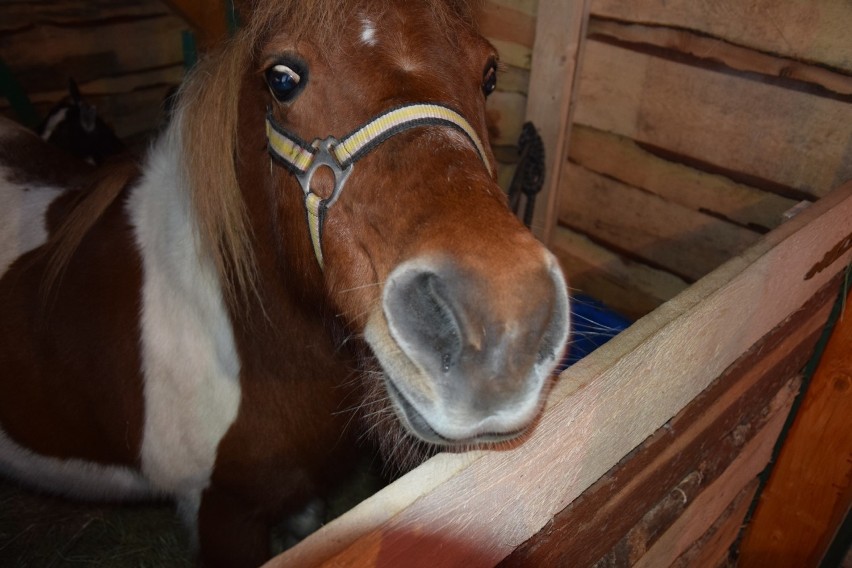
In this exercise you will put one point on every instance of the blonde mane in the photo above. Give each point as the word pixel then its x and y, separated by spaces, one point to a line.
pixel 209 104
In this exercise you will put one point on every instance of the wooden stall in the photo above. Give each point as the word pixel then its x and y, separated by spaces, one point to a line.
pixel 699 167
pixel 699 181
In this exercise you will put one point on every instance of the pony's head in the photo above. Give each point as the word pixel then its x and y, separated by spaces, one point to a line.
pixel 349 151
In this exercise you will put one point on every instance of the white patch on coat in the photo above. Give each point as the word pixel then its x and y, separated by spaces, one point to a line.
pixel 189 357
pixel 23 226
pixel 71 477
pixel 368 32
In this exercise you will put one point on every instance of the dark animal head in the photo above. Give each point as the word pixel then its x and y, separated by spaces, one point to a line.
pixel 74 125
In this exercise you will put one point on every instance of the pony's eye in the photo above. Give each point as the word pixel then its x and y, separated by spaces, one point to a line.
pixel 489 79
pixel 283 81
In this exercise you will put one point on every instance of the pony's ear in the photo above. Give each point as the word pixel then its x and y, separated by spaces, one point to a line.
pixel 74 90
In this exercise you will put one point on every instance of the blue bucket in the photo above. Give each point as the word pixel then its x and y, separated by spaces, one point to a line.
pixel 592 325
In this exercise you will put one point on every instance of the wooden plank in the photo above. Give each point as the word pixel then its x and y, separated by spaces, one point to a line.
pixel 625 285
pixel 622 159
pixel 809 493
pixel 714 548
pixel 513 53
pixel 506 23
pixel 816 31
pixel 108 86
pixel 609 522
pixel 792 138
pixel 681 41
pixel 20 15
pixel 209 19
pixel 485 504
pixel 661 233
pixel 560 29
pixel 107 49
pixel 712 502
pixel 510 26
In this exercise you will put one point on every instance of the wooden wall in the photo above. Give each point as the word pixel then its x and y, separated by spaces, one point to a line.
pixel 698 127
pixel 124 54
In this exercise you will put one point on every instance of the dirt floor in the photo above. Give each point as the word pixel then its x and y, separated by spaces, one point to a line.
pixel 42 531
pixel 39 531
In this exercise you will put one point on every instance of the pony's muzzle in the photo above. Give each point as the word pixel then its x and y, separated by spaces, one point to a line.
pixel 479 354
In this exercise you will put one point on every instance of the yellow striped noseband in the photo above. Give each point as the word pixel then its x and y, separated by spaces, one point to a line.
pixel 303 159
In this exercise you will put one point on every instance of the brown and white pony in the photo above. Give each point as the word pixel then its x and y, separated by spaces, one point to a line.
pixel 204 327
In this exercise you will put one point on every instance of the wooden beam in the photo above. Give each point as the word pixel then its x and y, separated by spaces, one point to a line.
pixel 712 502
pixel 208 18
pixel 681 41
pixel 810 489
pixel 794 139
pixel 625 285
pixel 810 31
pixel 624 513
pixel 559 38
pixel 622 159
pixel 476 508
pixel 714 548
pixel 659 232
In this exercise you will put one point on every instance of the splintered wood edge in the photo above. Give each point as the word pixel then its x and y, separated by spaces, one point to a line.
pixel 476 508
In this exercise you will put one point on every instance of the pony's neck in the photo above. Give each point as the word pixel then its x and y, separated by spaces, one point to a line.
pixel 189 351
pixel 177 267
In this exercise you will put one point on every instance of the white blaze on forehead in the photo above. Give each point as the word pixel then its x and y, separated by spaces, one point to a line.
pixel 368 32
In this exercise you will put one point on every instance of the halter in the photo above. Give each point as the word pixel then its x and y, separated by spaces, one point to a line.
pixel 303 159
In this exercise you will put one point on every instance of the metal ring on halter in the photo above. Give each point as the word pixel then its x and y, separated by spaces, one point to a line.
pixel 325 157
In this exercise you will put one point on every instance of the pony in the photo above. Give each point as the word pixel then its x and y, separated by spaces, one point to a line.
pixel 73 124
pixel 313 258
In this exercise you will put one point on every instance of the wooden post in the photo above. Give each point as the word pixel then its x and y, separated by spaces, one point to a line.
pixel 560 29
pixel 809 491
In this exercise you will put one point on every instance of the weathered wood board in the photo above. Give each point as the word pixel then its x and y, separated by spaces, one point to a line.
pixel 631 288
pixel 657 504
pixel 624 160
pixel 816 31
pixel 794 139
pixel 476 509
pixel 662 233
pixel 809 491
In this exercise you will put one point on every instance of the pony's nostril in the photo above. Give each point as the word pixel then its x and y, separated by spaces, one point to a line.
pixel 422 318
